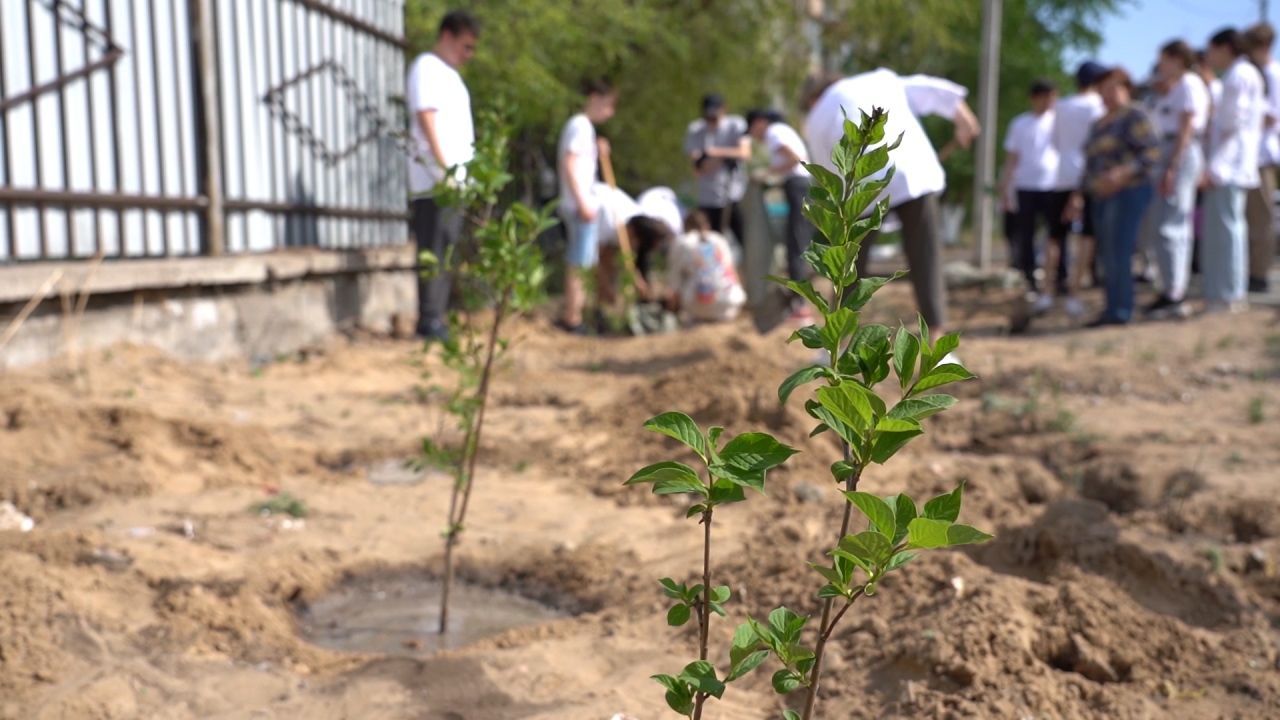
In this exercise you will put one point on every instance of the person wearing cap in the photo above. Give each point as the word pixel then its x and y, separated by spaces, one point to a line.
pixel 1232 170
pixel 1181 119
pixel 918 177
pixel 1075 115
pixel 1260 203
pixel 719 148
pixel 1028 186
pixel 1121 155
pixel 787 158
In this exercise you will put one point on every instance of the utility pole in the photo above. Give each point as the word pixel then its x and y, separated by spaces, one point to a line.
pixel 1264 10
pixel 988 97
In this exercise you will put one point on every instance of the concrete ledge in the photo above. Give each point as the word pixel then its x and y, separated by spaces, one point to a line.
pixel 18 283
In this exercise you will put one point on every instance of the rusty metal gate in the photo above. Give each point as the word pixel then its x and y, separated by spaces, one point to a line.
pixel 155 128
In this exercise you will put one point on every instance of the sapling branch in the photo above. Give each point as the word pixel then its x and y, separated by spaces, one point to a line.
pixel 828 622
pixel 704 608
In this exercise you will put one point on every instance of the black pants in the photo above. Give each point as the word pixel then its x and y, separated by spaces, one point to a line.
pixel 799 229
pixel 436 229
pixel 1035 206
pixel 718 216
pixel 923 247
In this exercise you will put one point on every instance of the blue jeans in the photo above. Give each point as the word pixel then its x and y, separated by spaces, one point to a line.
pixel 1116 221
pixel 1224 249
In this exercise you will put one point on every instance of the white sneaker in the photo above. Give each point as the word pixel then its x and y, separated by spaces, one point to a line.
pixel 1074 307
pixel 1042 304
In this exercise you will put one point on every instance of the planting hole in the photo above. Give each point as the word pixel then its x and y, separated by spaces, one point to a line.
pixel 399 616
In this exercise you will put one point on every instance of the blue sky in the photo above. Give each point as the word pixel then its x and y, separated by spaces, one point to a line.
pixel 1133 37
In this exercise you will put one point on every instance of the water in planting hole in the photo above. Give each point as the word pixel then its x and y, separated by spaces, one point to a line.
pixel 401 616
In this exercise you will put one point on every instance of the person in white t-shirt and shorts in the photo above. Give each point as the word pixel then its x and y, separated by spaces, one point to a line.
pixel 577 157
pixel 918 178
pixel 443 136
pixel 1030 180
pixel 787 157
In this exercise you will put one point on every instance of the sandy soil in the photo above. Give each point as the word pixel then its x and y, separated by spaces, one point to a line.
pixel 1134 499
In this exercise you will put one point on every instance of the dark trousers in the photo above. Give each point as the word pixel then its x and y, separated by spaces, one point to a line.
pixel 923 247
pixel 719 217
pixel 799 229
pixel 436 229
pixel 1033 207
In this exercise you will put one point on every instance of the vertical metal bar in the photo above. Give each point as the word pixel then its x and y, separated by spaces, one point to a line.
pixel 307 99
pixel 160 125
pixel 137 114
pixel 271 138
pixel 10 242
pixel 93 143
pixel 116 130
pixel 178 144
pixel 238 91
pixel 205 60
pixel 289 218
pixel 41 225
pixel 56 12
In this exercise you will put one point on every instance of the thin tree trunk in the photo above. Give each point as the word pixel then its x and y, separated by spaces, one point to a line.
pixel 704 612
pixel 824 628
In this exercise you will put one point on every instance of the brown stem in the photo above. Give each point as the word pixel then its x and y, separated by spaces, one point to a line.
pixel 704 612
pixel 471 450
pixel 828 623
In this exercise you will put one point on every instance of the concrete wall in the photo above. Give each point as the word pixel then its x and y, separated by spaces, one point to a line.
pixel 255 306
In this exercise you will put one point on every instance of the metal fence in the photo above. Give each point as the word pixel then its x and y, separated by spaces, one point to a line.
pixel 152 128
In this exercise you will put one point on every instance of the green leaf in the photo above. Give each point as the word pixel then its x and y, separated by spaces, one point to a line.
pixel 720 593
pixel 804 289
pixel 672 589
pixel 869 546
pixel 926 533
pixel 924 335
pixel 680 486
pixel 717 608
pixel 713 437
pixel 899 560
pixel 831 574
pixel 831 591
pixel 745 641
pixel 700 508
pixel 747 664
pixel 681 427
pixel 906 349
pixel 726 492
pixel 678 615
pixel 842 470
pixel 831 422
pixel 904 511
pixel 809 336
pixel 847 403
pixel 701 676
pixel 965 535
pixel 876 510
pixel 891 435
pixel 945 507
pixel 840 324
pixel 790 715
pixel 944 346
pixel 679 694
pixel 941 375
pixel 657 472
pixel 755 451
pixel 786 625
pixel 798 378
pixel 867 287
pixel 786 681
pixel 919 408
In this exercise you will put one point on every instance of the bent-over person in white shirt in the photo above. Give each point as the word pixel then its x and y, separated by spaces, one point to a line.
pixel 443 137
pixel 1181 120
pixel 919 178
pixel 1031 173
pixel 1235 137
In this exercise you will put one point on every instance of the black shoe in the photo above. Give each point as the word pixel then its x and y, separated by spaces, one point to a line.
pixel 433 331
pixel 1259 285
pixel 578 329
pixel 1161 303
pixel 1104 321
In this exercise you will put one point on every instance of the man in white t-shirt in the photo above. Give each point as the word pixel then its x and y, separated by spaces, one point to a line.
pixel 1181 118
pixel 1260 205
pixel 577 156
pixel 1074 116
pixel 1030 178
pixel 787 157
pixel 1235 136
pixel 718 146
pixel 443 138
pixel 919 178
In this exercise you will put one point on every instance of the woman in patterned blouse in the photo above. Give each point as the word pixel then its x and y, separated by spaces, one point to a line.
pixel 1121 156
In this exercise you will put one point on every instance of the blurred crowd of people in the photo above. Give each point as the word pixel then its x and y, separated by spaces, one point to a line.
pixel 1155 180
